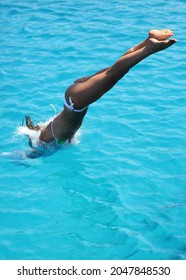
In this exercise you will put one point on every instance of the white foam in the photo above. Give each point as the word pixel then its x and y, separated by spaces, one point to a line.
pixel 33 135
pixel 76 139
pixel 17 155
pixel 22 131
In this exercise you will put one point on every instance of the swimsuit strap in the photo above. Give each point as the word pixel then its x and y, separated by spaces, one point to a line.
pixel 52 130
pixel 71 106
pixel 58 141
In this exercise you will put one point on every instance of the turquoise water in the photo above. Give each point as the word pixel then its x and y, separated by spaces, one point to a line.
pixel 118 191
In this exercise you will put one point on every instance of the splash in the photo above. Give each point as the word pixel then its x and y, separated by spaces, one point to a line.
pixel 39 149
pixel 32 134
pixel 22 131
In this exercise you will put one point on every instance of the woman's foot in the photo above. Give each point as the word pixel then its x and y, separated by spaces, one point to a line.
pixel 30 124
pixel 155 46
pixel 160 34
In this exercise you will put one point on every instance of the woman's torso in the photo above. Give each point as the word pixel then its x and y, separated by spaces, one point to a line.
pixel 64 126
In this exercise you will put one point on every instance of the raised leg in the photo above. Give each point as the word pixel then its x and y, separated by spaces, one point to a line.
pixel 83 94
pixel 157 34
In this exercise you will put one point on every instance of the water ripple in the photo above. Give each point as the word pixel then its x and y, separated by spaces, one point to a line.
pixel 119 191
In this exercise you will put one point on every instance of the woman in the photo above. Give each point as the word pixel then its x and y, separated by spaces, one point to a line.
pixel 87 90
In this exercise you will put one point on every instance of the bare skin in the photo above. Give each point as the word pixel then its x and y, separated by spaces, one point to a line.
pixel 88 89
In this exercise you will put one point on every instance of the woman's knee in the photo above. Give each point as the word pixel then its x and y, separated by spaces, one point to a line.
pixel 115 76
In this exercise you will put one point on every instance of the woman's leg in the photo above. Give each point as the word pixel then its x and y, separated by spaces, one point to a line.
pixel 83 94
pixel 157 34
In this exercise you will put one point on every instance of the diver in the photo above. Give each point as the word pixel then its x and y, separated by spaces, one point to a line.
pixel 87 90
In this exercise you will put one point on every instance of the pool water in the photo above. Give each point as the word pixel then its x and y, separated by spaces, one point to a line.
pixel 118 191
